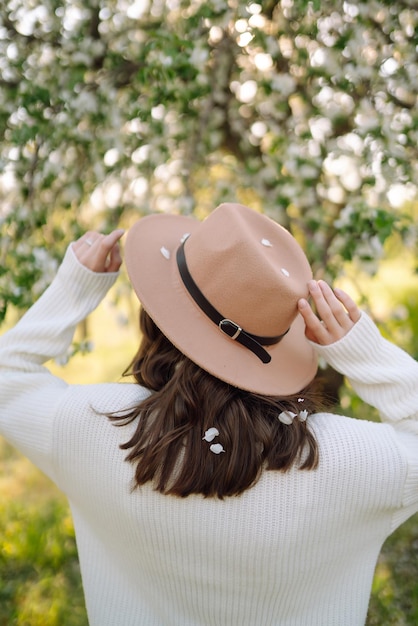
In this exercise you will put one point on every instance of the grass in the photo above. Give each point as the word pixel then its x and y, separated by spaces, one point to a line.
pixel 394 600
pixel 40 582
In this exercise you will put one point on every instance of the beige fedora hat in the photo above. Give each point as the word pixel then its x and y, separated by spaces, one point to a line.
pixel 224 291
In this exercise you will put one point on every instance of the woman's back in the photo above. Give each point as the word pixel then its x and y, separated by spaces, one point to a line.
pixel 297 548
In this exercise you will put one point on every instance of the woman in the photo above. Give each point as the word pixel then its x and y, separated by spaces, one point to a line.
pixel 213 491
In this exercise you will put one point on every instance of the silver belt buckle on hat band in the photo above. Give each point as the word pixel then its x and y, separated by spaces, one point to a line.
pixel 225 323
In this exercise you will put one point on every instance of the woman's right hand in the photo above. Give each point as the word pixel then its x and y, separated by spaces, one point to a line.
pixel 336 313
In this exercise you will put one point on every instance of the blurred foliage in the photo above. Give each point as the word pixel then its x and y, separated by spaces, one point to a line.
pixel 108 111
pixel 304 109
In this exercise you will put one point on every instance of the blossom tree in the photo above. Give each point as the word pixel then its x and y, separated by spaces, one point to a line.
pixel 110 110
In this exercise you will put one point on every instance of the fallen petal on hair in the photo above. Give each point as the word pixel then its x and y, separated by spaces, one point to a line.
pixel 210 434
pixel 216 448
pixel 287 417
pixel 303 415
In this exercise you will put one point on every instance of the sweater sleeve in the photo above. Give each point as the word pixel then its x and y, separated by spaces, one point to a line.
pixel 382 374
pixel 385 377
pixel 29 393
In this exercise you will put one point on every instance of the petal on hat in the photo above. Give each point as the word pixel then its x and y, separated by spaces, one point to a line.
pixel 166 253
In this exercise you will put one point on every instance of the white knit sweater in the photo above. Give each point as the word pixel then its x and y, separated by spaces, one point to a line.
pixel 298 549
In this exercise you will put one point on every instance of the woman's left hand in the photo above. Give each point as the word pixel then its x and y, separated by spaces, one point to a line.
pixel 336 313
pixel 99 253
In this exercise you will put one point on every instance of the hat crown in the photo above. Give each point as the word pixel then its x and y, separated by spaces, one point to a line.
pixel 249 268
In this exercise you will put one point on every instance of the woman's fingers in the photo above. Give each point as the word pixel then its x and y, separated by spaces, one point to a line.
pixel 352 308
pixel 115 259
pixel 328 306
pixel 98 252
pixel 107 247
pixel 336 313
pixel 315 331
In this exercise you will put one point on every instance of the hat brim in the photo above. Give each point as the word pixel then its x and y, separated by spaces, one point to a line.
pixel 150 258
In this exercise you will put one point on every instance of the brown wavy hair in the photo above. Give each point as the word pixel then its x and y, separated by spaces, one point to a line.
pixel 167 446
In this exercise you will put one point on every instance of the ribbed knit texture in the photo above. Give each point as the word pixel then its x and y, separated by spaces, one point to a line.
pixel 298 549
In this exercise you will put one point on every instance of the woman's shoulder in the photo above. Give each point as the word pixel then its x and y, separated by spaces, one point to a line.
pixel 104 398
pixel 330 424
pixel 357 443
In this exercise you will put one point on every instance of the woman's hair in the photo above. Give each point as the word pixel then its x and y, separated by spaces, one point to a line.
pixel 168 446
